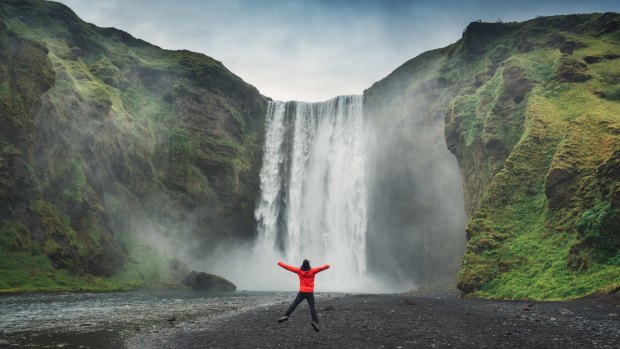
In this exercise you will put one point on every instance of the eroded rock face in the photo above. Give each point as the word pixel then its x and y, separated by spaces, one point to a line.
pixel 516 84
pixel 572 70
pixel 600 58
pixel 567 47
pixel 561 156
pixel 502 116
pixel 560 186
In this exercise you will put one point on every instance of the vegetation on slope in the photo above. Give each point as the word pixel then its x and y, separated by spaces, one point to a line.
pixel 109 145
pixel 533 118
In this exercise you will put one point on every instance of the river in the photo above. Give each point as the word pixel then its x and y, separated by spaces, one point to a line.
pixel 108 320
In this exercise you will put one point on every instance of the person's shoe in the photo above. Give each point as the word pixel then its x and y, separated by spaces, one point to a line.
pixel 315 326
pixel 282 319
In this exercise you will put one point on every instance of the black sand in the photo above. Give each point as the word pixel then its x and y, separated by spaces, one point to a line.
pixel 399 321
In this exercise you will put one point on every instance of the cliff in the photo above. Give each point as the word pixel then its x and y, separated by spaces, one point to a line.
pixel 110 146
pixel 117 156
pixel 532 115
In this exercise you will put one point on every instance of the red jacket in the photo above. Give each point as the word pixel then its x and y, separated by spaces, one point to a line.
pixel 306 278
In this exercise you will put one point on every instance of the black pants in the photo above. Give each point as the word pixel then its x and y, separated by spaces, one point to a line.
pixel 309 296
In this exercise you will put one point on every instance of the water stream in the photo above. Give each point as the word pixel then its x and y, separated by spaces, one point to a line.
pixel 109 320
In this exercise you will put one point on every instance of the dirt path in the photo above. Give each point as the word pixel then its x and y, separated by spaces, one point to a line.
pixel 397 321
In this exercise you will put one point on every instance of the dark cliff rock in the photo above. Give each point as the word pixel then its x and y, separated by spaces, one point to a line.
pixel 106 138
pixel 571 70
pixel 201 281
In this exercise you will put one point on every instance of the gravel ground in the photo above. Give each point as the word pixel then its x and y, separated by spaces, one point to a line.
pixel 404 321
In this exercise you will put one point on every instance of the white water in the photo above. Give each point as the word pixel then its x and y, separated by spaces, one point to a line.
pixel 313 201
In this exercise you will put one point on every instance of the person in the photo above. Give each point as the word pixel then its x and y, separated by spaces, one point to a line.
pixel 306 289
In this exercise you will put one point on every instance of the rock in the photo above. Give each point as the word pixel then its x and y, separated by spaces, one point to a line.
pixel 409 302
pixel 178 269
pixel 567 47
pixel 592 59
pixel 559 186
pixel 329 308
pixel 596 59
pixel 201 281
pixel 516 85
pixel 571 70
pixel 556 40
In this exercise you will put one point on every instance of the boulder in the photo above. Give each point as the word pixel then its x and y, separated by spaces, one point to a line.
pixel 571 70
pixel 201 281
pixel 567 47
pixel 596 59
pixel 559 186
pixel 592 59
pixel 556 40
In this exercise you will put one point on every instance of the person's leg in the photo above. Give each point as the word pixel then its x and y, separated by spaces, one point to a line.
pixel 310 299
pixel 300 297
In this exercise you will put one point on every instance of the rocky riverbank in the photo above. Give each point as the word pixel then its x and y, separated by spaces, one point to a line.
pixel 402 321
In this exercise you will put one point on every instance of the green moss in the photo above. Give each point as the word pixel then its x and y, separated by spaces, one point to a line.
pixel 56 227
pixel 5 90
pixel 75 181
pixel 24 272
pixel 598 226
pixel 14 237
pixel 541 220
pixel 106 72
pixel 469 125
pixel 147 265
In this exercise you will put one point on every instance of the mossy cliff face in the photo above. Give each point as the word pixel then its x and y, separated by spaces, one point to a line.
pixel 108 141
pixel 532 116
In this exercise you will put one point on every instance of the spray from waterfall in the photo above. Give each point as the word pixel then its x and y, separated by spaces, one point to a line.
pixel 379 197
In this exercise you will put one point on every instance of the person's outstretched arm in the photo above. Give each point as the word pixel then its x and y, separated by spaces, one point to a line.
pixel 288 267
pixel 321 268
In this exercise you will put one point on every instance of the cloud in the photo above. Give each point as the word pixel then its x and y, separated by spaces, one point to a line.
pixel 311 50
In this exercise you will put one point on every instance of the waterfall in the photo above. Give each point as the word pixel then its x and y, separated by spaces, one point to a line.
pixel 314 196
pixel 377 196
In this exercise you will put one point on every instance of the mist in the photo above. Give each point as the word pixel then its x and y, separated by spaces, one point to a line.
pixel 374 193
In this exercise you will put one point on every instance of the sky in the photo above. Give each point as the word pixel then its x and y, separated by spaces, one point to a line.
pixel 313 50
